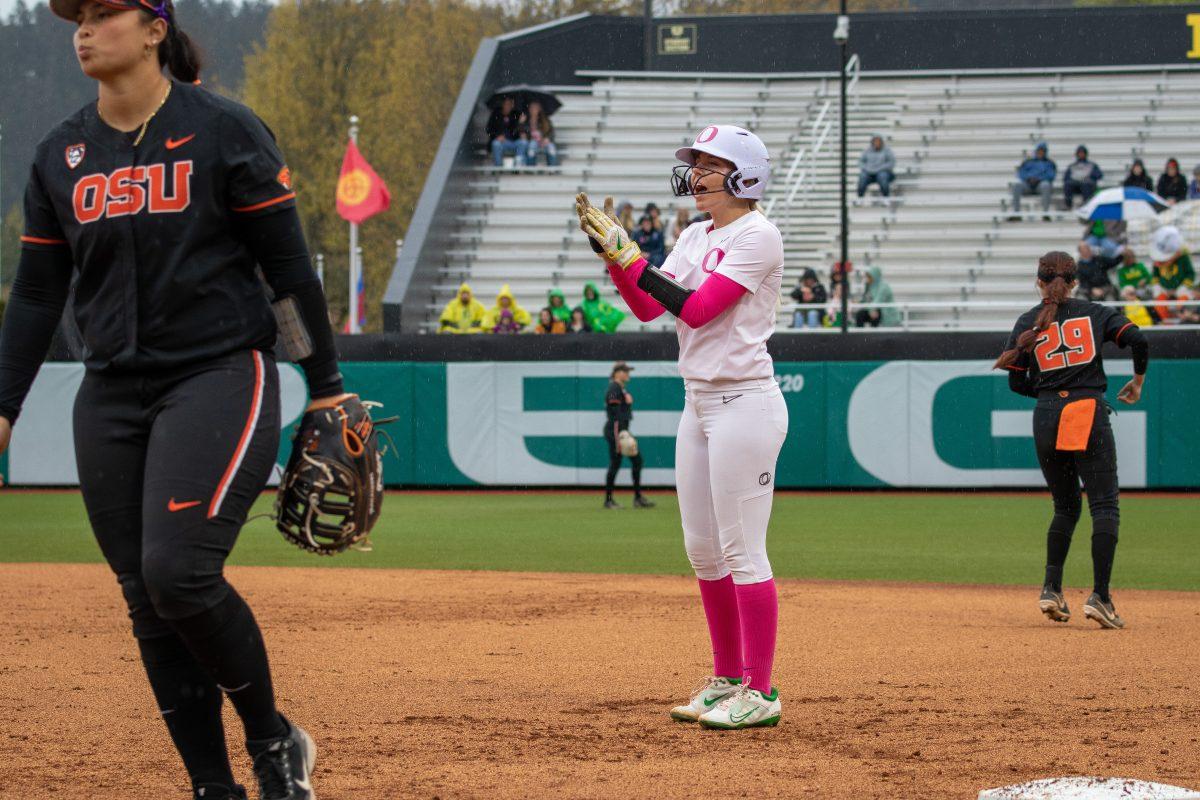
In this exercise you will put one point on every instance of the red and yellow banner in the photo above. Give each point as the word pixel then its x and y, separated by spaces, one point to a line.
pixel 361 193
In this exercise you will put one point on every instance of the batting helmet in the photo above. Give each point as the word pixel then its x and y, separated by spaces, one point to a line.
pixel 749 156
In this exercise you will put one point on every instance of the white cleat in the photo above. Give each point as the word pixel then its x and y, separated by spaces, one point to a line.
pixel 747 708
pixel 705 698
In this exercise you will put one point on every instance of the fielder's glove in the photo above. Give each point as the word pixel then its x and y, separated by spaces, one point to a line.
pixel 626 444
pixel 332 488
pixel 605 232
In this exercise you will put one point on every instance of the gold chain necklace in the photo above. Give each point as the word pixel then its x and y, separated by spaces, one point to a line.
pixel 146 124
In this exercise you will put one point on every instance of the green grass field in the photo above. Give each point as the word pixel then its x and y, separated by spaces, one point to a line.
pixel 952 538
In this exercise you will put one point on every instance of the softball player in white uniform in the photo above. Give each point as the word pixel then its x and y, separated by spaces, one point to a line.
pixel 722 281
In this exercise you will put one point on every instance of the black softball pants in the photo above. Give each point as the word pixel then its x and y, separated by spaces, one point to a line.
pixel 169 466
pixel 1064 470
pixel 615 458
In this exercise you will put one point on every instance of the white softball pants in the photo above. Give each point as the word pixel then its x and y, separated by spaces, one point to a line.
pixel 725 454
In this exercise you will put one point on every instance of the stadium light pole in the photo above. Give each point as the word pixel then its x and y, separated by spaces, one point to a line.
pixel 647 34
pixel 841 35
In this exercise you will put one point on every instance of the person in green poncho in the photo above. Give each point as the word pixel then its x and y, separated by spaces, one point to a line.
pixel 556 301
pixel 877 291
pixel 601 316
pixel 1133 274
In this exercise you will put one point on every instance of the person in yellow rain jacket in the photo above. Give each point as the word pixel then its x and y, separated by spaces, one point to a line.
pixel 463 314
pixel 506 316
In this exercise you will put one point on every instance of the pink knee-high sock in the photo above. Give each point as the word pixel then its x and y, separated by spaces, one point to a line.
pixel 758 607
pixel 724 627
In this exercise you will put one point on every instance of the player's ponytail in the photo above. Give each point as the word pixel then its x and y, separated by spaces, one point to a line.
pixel 177 52
pixel 1056 274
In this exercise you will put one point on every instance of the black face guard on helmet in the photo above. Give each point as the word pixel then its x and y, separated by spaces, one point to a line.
pixel 684 175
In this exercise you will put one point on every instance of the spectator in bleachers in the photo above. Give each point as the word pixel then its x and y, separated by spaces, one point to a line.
pixel 650 240
pixel 1133 274
pixel 541 136
pixel 1172 186
pixel 556 301
pixel 837 284
pixel 1137 176
pixel 548 323
pixel 877 164
pixel 1174 275
pixel 1081 177
pixel 463 314
pixel 810 290
pixel 1136 311
pixel 1034 176
pixel 505 134
pixel 625 216
pixel 600 315
pixel 506 316
pixel 877 290
pixel 655 218
pixel 1194 186
pixel 578 322
pixel 678 225
pixel 1098 253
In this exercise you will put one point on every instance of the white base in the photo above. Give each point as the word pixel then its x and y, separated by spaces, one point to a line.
pixel 1082 788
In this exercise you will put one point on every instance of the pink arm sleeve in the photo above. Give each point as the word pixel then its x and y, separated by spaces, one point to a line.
pixel 643 306
pixel 712 299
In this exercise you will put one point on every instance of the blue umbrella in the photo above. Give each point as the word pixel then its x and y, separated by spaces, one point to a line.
pixel 1123 202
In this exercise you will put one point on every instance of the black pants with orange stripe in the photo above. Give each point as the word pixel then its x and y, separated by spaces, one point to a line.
pixel 169 465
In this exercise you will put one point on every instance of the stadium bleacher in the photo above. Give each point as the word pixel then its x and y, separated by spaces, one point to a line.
pixel 944 240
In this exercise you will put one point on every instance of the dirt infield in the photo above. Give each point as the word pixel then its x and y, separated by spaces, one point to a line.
pixel 499 685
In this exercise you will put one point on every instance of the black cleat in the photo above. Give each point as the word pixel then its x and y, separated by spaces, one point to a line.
pixel 218 791
pixel 641 502
pixel 284 767
pixel 610 503
pixel 1103 613
pixel 1054 605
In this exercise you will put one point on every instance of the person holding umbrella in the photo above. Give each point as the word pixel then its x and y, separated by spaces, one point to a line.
pixel 505 136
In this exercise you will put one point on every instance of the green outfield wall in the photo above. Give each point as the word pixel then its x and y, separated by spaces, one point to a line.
pixel 539 423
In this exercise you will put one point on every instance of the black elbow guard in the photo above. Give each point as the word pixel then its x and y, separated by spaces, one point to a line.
pixel 670 293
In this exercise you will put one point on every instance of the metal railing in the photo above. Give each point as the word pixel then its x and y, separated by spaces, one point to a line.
pixel 907 308
pixel 805 161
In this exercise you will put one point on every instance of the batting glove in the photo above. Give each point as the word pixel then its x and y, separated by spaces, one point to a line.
pixel 606 233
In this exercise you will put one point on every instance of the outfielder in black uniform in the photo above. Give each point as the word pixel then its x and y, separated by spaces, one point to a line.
pixel 161 201
pixel 1053 355
pixel 618 407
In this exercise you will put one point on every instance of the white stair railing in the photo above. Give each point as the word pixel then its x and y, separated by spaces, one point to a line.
pixel 801 174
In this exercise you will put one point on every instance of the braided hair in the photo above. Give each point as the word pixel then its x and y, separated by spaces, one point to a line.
pixel 1056 275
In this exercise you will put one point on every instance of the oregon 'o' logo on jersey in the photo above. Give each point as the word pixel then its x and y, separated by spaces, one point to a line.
pixel 353 187
pixel 131 190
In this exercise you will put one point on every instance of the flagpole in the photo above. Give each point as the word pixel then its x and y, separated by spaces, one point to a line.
pixel 354 265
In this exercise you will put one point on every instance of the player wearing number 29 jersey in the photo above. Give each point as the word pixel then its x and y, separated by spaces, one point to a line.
pixel 1053 355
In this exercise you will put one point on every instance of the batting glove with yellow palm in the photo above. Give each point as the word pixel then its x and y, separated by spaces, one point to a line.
pixel 606 233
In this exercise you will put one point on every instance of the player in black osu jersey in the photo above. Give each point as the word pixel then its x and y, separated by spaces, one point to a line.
pixel 1053 354
pixel 160 200
pixel 618 408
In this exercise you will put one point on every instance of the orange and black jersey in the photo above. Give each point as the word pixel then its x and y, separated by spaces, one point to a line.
pixel 617 405
pixel 160 279
pixel 1066 354
pixel 161 243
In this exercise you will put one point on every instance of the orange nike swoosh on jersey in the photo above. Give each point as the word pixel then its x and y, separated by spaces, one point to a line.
pixel 172 506
pixel 173 143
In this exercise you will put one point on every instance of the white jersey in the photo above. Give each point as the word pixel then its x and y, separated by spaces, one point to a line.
pixel 733 347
